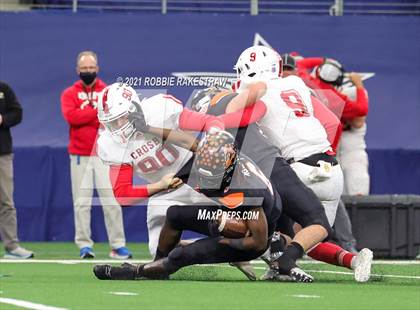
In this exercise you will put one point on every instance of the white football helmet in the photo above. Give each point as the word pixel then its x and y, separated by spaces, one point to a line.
pixel 258 63
pixel 115 103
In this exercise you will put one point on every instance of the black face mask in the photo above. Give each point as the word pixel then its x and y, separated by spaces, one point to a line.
pixel 87 77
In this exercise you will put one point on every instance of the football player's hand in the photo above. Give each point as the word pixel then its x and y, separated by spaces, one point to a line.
pixel 356 79
pixel 137 117
pixel 169 181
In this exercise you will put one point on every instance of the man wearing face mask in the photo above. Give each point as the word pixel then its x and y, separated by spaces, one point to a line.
pixel 78 104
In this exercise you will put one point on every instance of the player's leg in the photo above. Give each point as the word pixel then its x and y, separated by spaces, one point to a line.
pixel 203 251
pixel 343 234
pixel 301 204
pixel 333 254
pixel 158 205
pixel 112 211
pixel 329 192
pixel 82 190
pixel 180 218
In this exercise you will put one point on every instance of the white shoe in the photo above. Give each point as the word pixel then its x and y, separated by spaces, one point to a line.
pixel 18 253
pixel 362 265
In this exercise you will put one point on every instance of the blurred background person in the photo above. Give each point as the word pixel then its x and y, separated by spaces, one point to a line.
pixel 10 115
pixel 78 104
pixel 350 103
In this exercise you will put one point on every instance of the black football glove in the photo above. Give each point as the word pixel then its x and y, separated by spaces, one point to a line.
pixel 138 120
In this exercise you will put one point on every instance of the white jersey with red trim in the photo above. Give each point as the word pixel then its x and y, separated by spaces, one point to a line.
pixel 290 122
pixel 150 157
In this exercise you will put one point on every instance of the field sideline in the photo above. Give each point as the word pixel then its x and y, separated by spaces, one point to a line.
pixel 58 280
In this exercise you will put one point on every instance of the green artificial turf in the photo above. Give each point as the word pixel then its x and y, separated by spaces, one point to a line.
pixel 71 285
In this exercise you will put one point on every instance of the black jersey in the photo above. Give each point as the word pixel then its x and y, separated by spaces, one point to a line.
pixel 249 189
pixel 250 140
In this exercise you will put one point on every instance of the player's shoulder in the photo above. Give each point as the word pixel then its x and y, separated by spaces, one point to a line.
pixel 161 99
pixel 111 152
pixel 161 110
pixel 294 80
pixel 162 103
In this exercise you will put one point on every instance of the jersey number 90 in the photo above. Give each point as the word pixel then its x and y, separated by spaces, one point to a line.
pixel 164 156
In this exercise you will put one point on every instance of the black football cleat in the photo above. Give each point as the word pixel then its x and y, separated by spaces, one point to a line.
pixel 298 275
pixel 108 272
pixel 102 272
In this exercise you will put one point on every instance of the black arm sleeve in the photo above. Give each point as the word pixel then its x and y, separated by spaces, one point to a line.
pixel 13 114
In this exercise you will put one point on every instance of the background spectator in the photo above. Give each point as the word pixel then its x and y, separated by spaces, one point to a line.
pixel 10 115
pixel 78 104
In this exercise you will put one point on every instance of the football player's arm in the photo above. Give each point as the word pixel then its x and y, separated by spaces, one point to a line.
pixel 309 63
pixel 74 115
pixel 128 194
pixel 13 116
pixel 257 239
pixel 329 121
pixel 247 97
pixel 360 106
pixel 244 117
pixel 190 120
pixel 177 137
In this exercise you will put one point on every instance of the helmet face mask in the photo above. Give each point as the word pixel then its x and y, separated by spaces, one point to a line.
pixel 114 105
pixel 258 63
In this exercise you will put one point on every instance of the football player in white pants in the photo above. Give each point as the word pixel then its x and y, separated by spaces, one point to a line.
pixel 292 127
pixel 128 152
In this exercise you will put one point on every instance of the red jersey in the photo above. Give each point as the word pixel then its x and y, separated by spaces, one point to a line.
pixel 78 105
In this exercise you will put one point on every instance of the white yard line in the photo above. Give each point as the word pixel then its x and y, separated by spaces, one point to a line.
pixel 305 296
pixel 123 293
pixel 28 304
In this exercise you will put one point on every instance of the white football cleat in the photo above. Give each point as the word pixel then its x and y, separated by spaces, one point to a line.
pixel 362 265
